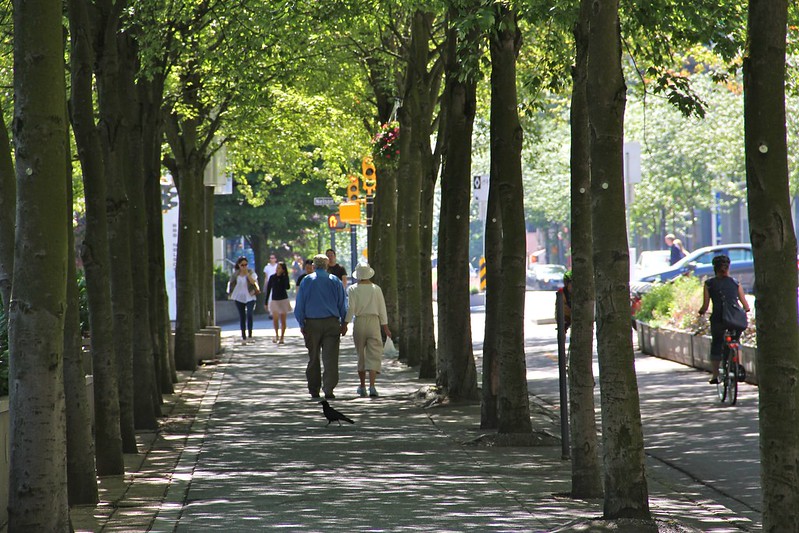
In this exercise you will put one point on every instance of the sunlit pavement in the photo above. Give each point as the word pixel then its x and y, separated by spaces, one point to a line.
pixel 246 449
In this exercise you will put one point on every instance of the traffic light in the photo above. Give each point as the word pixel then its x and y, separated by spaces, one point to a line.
pixel 369 175
pixel 334 221
pixel 353 189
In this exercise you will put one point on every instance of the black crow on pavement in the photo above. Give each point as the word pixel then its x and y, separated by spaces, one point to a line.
pixel 332 415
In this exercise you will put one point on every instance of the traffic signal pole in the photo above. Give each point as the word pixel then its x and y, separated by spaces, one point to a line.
pixel 353 246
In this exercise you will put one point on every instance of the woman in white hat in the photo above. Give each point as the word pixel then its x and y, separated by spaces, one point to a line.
pixel 367 305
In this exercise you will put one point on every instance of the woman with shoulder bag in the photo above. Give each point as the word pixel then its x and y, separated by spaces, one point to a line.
pixel 720 289
pixel 243 289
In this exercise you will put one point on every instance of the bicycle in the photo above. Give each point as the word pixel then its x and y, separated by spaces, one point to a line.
pixel 731 371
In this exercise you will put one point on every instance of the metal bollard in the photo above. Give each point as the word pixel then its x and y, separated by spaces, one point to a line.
pixel 560 320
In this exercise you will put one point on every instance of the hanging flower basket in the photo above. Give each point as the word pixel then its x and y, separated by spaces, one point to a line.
pixel 385 145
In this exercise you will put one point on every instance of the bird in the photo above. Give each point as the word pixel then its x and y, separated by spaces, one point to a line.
pixel 333 415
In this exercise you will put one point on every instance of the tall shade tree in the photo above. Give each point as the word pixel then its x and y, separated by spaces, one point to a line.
pixel 626 494
pixel 81 469
pixel 457 373
pixel 586 476
pixel 94 248
pixel 8 193
pixel 506 168
pixel 114 138
pixel 37 482
pixel 414 117
pixel 774 250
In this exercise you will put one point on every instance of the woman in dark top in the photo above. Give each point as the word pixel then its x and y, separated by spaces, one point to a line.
pixel 717 289
pixel 277 287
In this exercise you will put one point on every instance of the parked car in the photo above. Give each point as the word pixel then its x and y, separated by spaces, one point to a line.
pixel 651 261
pixel 545 277
pixel 700 263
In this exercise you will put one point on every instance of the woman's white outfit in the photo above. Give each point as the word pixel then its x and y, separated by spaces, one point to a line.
pixel 367 305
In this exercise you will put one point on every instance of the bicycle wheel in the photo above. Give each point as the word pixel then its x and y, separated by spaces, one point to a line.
pixel 732 377
pixel 721 386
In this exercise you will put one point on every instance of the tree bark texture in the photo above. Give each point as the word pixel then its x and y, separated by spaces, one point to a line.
pixel 457 372
pixel 623 446
pixel 146 397
pixel 506 149
pixel 81 468
pixel 382 239
pixel 383 248
pixel 94 249
pixel 415 115
pixel 774 249
pixel 38 470
pixel 489 412
pixel 586 474
pixel 114 136
pixel 8 200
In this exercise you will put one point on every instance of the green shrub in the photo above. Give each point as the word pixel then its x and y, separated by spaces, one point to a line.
pixel 656 304
pixel 221 278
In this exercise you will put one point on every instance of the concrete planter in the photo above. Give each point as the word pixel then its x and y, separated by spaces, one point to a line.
pixel 5 447
pixel 207 343
pixel 675 345
pixel 476 300
pixel 689 349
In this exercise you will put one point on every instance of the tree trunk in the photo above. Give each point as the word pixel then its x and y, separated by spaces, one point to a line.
pixel 38 471
pixel 774 250
pixel 208 271
pixel 382 237
pixel 114 137
pixel 94 249
pixel 506 148
pixel 408 206
pixel 146 398
pixel 185 270
pixel 586 475
pixel 457 372
pixel 81 469
pixel 489 412
pixel 150 98
pixel 622 439
pixel 427 362
pixel 8 201
pixel 383 249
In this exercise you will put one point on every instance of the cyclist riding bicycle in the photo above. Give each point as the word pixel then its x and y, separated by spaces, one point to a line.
pixel 717 289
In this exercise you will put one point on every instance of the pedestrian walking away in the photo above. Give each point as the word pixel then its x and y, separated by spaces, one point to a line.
pixel 279 306
pixel 334 268
pixel 242 289
pixel 365 303
pixel 320 310
pixel 718 289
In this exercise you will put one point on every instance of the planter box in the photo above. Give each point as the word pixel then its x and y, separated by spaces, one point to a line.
pixel 675 346
pixel 207 344
pixel 5 448
pixel 701 348
pixel 476 300
pixel 689 349
pixel 216 331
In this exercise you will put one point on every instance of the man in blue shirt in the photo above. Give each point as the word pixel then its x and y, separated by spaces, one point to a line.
pixel 320 310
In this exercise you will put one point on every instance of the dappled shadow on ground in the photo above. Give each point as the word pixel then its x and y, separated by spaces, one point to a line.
pixel 270 460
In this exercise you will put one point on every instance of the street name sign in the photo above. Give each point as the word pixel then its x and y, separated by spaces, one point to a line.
pixel 324 200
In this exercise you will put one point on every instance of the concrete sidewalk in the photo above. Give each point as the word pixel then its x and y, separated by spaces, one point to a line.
pixel 244 448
